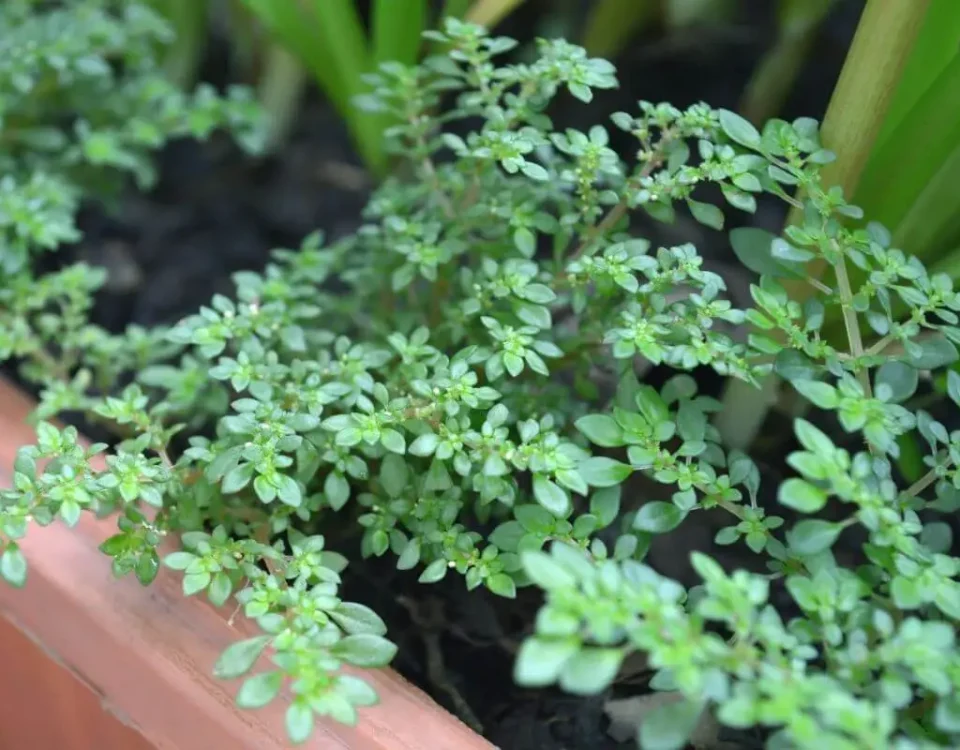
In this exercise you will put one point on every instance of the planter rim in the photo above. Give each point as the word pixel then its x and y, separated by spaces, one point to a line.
pixel 149 652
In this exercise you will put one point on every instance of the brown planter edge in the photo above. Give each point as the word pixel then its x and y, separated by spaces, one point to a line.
pixel 147 653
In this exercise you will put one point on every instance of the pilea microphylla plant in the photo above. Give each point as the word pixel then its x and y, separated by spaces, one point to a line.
pixel 472 401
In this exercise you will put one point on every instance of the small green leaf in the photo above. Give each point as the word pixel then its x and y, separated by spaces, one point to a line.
pixel 148 565
pixel 590 670
pixel 739 129
pixel 265 491
pixel 811 537
pixel 546 572
pixel 601 430
pixel 953 386
pixel 535 518
pixel 937 536
pixel 434 572
pixel 534 171
pixel 502 585
pixel 239 658
pixel 410 556
pixel 818 393
pixel 540 660
pixel 365 650
pixel 13 566
pixel 932 353
pixel 691 422
pixel 70 512
pixel 299 722
pixel 220 589
pixel 754 248
pixel 356 618
pixel 946 717
pixel 669 727
pixel 658 517
pixel 259 690
pixel 605 505
pixel 195 582
pixel 551 496
pixel 393 441
pixel 905 593
pixel 179 560
pixel 355 690
pixel 706 213
pixel 288 490
pixel 895 381
pixel 601 471
pixel 791 365
pixel 394 474
pixel 803 496
pixel 237 478
pixel 947 599
pixel 336 489
pixel 424 445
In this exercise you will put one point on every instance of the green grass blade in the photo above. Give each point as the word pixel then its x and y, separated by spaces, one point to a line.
pixel 280 90
pixel 932 223
pixel 189 20
pixel 242 28
pixel 455 8
pixel 949 263
pixel 328 36
pixel 490 12
pixel 862 96
pixel 936 46
pixel 774 76
pixel 338 27
pixel 679 14
pixel 397 29
pixel 341 31
pixel 905 163
pixel 289 23
pixel 613 23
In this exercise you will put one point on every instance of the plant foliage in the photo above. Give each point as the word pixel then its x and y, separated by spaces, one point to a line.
pixel 472 401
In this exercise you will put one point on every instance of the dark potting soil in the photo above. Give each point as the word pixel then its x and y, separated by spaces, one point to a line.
pixel 215 212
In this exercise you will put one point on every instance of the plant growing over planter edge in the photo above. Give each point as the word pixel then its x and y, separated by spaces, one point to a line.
pixel 474 401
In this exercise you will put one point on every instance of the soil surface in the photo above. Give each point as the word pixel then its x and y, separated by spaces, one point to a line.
pixel 215 212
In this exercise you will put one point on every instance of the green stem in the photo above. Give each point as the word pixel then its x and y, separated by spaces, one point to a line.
pixel 850 322
pixel 921 484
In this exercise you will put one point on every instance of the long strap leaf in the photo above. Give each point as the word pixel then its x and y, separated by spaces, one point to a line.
pixel 396 29
pixel 328 36
pixel 906 162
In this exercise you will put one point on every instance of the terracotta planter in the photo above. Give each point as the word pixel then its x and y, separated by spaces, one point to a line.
pixel 88 661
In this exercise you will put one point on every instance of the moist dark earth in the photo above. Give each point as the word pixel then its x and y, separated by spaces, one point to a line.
pixel 216 211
